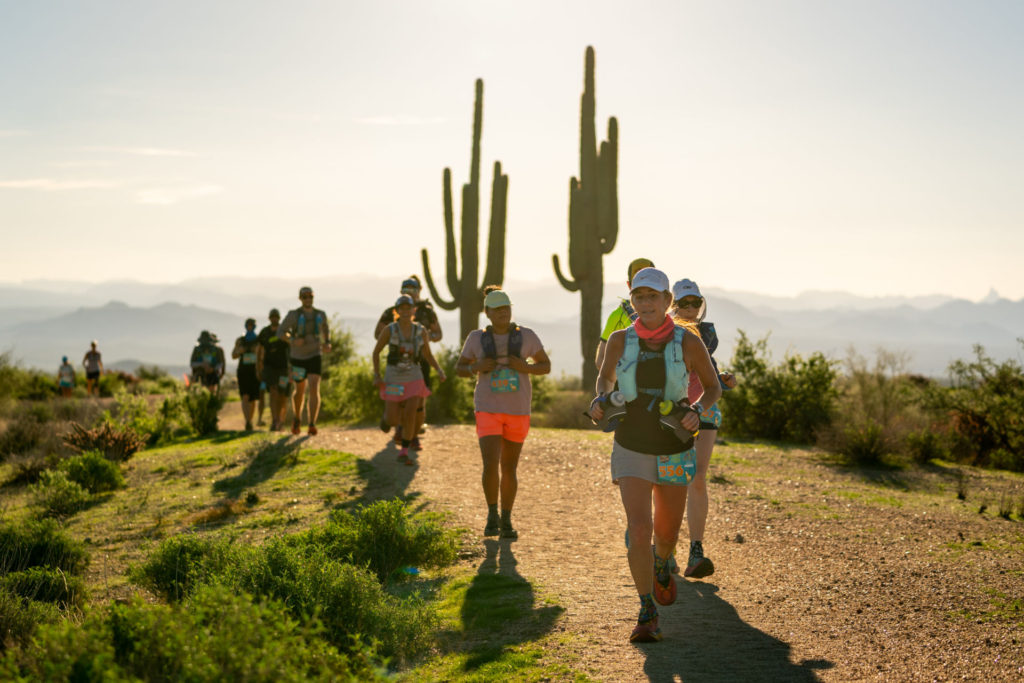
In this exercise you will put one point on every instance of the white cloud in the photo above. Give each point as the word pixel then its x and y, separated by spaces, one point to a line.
pixel 49 184
pixel 401 120
pixel 144 151
pixel 172 195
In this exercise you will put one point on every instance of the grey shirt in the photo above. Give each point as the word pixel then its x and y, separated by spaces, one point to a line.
pixel 502 390
pixel 310 327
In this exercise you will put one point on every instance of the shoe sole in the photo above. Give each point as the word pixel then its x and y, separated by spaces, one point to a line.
pixel 511 534
pixel 646 636
pixel 704 568
pixel 665 596
pixel 488 531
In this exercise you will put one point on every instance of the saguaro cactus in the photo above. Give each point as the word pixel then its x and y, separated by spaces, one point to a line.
pixel 467 296
pixel 593 221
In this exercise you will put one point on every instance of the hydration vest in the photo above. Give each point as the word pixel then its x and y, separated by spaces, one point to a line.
pixel 627 308
pixel 394 343
pixel 676 375
pixel 515 341
pixel 300 326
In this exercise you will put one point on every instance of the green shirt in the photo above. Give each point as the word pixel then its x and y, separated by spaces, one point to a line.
pixel 618 320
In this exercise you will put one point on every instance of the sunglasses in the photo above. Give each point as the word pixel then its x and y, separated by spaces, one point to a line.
pixel 305 296
pixel 690 301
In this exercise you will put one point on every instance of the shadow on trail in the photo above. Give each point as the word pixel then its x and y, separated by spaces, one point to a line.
pixel 706 640
pixel 498 612
pixel 385 477
pixel 267 459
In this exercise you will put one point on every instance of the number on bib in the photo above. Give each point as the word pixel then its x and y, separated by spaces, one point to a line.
pixel 678 468
pixel 504 381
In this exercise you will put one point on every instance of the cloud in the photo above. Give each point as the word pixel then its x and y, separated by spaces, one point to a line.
pixel 172 195
pixel 51 185
pixel 12 132
pixel 401 120
pixel 144 151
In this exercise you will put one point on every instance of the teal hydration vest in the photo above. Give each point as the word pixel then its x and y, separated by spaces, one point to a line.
pixel 677 379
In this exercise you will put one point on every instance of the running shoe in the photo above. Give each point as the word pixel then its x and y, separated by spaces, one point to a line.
pixel 312 430
pixel 493 528
pixel 403 455
pixel 698 566
pixel 248 426
pixel 665 594
pixel 646 632
pixel 415 443
pixel 509 533
pixel 296 427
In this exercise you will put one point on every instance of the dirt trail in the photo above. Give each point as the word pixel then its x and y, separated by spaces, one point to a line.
pixel 820 576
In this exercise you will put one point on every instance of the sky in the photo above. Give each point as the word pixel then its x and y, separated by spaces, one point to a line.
pixel 776 147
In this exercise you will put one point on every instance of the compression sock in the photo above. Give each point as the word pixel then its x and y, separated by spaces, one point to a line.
pixel 661 569
pixel 648 610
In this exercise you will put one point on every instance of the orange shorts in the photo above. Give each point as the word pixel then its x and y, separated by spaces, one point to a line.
pixel 509 427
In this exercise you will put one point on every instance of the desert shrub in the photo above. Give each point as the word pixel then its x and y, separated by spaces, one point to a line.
pixel 17 382
pixel 154 380
pixel 45 584
pixel 203 407
pixel 383 537
pixel 40 543
pixel 55 495
pixel 927 444
pixel 215 637
pixel 157 426
pixel 110 384
pixel 116 442
pixel 27 467
pixel 343 347
pixel 93 472
pixel 543 393
pixel 19 618
pixel 452 400
pixel 23 434
pixel 790 401
pixel 181 563
pixel 349 395
pixel 983 404
pixel 76 410
pixel 349 601
pixel 565 410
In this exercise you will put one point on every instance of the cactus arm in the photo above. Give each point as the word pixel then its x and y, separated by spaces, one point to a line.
pixel 570 285
pixel 608 204
pixel 494 274
pixel 446 305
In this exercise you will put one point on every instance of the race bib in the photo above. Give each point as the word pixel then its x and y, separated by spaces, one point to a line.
pixel 504 381
pixel 298 373
pixel 249 358
pixel 282 382
pixel 712 416
pixel 678 468
pixel 394 389
pixel 208 358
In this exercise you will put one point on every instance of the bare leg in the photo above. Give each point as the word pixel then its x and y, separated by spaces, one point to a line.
pixel 408 418
pixel 636 500
pixel 298 398
pixel 510 451
pixel 247 406
pixel 314 398
pixel 669 505
pixel 697 505
pixel 490 450
pixel 421 415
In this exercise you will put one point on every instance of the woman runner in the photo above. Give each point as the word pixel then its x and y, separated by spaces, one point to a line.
pixel 652 361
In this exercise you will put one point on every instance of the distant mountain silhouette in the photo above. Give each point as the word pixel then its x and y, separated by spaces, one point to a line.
pixel 42 321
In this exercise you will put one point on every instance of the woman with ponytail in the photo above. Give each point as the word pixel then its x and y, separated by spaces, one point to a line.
pixel 653 457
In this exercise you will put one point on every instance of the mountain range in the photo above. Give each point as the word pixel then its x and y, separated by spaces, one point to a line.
pixel 158 324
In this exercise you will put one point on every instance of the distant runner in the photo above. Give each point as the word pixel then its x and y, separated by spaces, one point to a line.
pixel 272 364
pixel 305 329
pixel 248 380
pixel 499 359
pixel 66 377
pixel 402 387
pixel 93 362
pixel 426 317
pixel 207 361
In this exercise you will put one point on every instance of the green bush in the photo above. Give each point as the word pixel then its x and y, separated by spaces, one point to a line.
pixel 791 401
pixel 452 400
pixel 984 400
pixel 55 495
pixel 926 444
pixel 40 543
pixel 383 537
pixel 543 393
pixel 45 584
pixel 110 384
pixel 349 395
pixel 154 380
pixel 19 618
pixel 565 410
pixel 93 472
pixel 203 408
pixel 17 382
pixel 22 435
pixel 349 601
pixel 158 426
pixel 217 636
pixel 181 563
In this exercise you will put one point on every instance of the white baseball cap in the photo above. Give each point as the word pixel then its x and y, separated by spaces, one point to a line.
pixel 685 288
pixel 496 298
pixel 649 277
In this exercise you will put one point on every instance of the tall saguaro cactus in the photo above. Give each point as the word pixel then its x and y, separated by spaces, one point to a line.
pixel 467 296
pixel 593 221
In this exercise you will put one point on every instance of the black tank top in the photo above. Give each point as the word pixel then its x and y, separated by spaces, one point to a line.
pixel 640 431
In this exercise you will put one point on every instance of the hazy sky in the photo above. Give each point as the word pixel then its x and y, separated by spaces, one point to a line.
pixel 873 147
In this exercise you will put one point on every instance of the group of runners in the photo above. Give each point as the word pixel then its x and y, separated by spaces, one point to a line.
pixel 92 361
pixel 283 359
